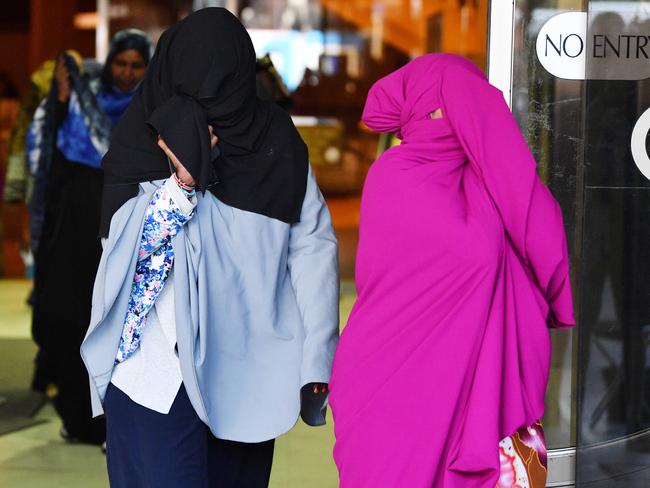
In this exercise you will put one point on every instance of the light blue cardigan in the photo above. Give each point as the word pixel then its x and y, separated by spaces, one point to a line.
pixel 256 310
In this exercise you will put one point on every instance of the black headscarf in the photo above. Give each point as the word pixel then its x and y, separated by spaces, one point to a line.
pixel 123 41
pixel 203 72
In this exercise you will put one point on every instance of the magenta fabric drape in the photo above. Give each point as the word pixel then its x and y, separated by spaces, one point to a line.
pixel 461 268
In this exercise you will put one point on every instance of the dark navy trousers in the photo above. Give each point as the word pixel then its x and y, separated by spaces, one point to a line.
pixel 147 449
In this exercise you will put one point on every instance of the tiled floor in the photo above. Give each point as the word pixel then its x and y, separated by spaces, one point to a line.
pixel 37 458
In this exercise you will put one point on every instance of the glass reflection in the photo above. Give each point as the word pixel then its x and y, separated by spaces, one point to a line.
pixel 614 383
pixel 549 112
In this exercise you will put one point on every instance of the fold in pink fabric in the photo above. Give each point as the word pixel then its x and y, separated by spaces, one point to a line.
pixel 461 268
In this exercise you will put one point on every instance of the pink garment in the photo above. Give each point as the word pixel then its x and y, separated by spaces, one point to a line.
pixel 461 266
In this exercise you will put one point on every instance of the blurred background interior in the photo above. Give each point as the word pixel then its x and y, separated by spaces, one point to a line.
pixel 318 58
pixel 325 55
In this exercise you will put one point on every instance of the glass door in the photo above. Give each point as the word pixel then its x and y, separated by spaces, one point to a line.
pixel 575 74
pixel 613 422
pixel 549 112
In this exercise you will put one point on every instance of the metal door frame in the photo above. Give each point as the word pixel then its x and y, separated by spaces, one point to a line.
pixel 500 48
pixel 500 58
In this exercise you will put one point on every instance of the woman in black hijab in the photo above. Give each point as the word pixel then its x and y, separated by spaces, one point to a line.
pixel 194 81
pixel 69 135
pixel 215 308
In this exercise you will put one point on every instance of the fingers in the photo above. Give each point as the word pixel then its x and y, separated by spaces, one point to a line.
pixel 320 388
pixel 213 137
pixel 161 144
pixel 62 79
pixel 181 172
pixel 60 63
pixel 61 69
pixel 180 169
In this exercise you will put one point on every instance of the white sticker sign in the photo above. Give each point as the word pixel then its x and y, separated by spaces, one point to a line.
pixel 612 48
pixel 638 143
pixel 561 45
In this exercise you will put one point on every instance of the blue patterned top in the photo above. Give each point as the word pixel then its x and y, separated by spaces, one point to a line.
pixel 163 219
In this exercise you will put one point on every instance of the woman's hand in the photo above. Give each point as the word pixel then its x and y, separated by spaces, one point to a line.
pixel 319 388
pixel 62 80
pixel 181 171
pixel 213 137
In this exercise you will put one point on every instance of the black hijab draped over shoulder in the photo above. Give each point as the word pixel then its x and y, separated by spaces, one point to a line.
pixel 203 72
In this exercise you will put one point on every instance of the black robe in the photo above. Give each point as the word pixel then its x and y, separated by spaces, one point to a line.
pixel 65 265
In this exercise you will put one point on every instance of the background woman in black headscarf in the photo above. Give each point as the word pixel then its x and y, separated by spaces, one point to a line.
pixel 69 135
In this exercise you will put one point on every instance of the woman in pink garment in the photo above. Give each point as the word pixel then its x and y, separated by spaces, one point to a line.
pixel 440 376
